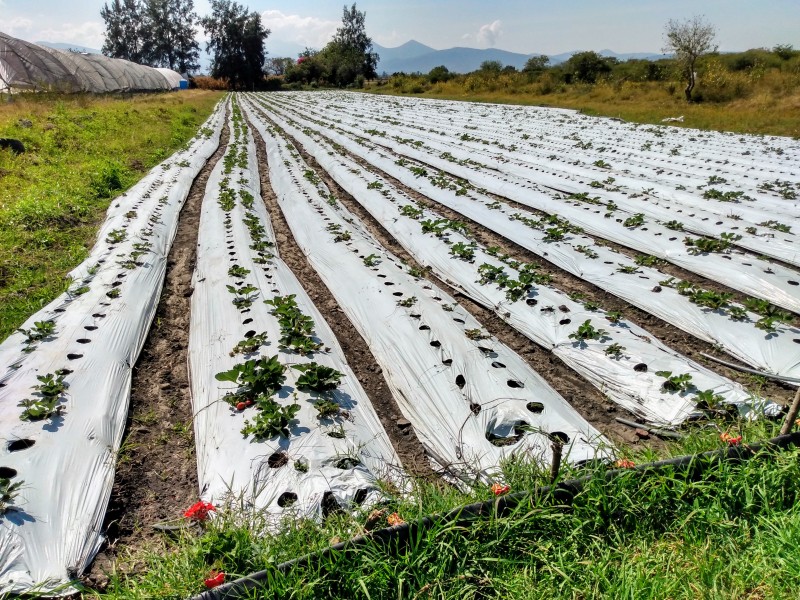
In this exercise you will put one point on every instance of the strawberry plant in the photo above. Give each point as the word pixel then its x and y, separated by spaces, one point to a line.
pixel 647 260
pixel 674 225
pixel 777 226
pixel 317 378
pixel 614 316
pixel 704 245
pixel 407 302
pixel 710 299
pixel 8 493
pixel 297 329
pixel 39 331
pixel 636 220
pixel 238 272
pixel 587 331
pixel 675 383
pixel 410 211
pixel 491 273
pixel 244 296
pixel 463 251
pixel 615 350
pixel 588 252
pixel 250 345
pixel 476 334
pixel 708 400
pixel 258 380
pixel 116 236
pixel 371 260
pixel 271 420
pixel 327 408
pixel 50 388
pixel 629 269
pixel 554 234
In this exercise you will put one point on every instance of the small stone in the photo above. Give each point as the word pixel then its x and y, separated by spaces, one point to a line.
pixel 403 423
pixel 642 434
pixel 611 408
pixel 164 386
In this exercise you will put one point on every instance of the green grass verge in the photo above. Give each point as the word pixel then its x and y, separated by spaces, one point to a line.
pixel 734 533
pixel 81 152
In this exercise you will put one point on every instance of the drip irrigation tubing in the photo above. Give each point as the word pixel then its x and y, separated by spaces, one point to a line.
pixel 561 493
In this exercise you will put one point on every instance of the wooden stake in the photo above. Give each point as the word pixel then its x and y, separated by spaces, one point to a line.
pixel 792 414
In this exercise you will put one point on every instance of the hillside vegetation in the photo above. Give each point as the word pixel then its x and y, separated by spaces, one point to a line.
pixel 757 91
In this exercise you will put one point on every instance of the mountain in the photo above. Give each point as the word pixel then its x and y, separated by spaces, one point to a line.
pixel 413 57
pixel 63 46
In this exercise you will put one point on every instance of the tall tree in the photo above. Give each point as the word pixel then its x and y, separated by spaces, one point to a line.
pixel 171 43
pixel 124 29
pixel 159 33
pixel 236 38
pixel 689 40
pixel 349 54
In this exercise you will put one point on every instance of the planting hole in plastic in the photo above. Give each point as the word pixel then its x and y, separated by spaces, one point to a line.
pixel 457 320
pixel 535 407
pixel 90 327
pixel 793 283
pixel 560 436
pixel 531 302
pixel 72 356
pixel 249 334
pixel 640 368
pixel 449 361
pixel 247 321
pixel 461 382
pixel 565 321
pixel 18 445
pixel 83 341
pixel 513 383
pixel 397 294
pixel 329 504
pixel 436 343
pixel 277 460
pixel 361 496
pixel 498 365
pixel 286 499
pixel 7 472
pixel 423 327
pixel 99 316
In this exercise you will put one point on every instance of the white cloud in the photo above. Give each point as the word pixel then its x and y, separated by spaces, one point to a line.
pixel 489 34
pixel 16 26
pixel 88 33
pixel 305 31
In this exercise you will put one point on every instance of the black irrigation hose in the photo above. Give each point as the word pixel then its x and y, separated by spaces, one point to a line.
pixel 562 493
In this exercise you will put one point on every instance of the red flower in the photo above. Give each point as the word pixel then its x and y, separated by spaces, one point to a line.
pixel 624 463
pixel 199 510
pixel 394 519
pixel 498 489
pixel 730 439
pixel 215 579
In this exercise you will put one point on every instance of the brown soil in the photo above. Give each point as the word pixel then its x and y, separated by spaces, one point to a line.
pixel 156 477
pixel 586 399
pixel 356 350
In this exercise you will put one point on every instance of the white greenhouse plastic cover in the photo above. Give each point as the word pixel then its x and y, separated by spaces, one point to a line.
pixel 173 77
pixel 620 377
pixel 457 390
pixel 310 464
pixel 27 66
pixel 53 529
pixel 774 352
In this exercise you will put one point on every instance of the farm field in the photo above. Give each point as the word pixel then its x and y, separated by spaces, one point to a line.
pixel 367 290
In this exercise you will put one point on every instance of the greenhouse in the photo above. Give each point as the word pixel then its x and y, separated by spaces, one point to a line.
pixel 29 67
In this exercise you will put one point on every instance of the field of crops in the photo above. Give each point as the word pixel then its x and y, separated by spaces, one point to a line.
pixel 380 279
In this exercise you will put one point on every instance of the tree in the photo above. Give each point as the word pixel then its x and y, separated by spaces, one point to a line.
pixel 159 33
pixel 587 67
pixel 536 64
pixel 689 40
pixel 171 43
pixel 236 38
pixel 348 56
pixel 784 51
pixel 124 25
pixel 440 73
pixel 278 66
pixel 491 67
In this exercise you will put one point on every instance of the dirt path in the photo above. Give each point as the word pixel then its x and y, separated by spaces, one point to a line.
pixel 156 477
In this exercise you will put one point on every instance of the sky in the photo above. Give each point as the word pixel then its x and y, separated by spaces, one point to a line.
pixel 525 26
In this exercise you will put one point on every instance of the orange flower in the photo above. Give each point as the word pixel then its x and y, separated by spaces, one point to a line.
pixel 199 510
pixel 215 579
pixel 624 463
pixel 498 489
pixel 730 439
pixel 395 519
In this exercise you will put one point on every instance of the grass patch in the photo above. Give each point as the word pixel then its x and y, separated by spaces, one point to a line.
pixel 733 533
pixel 81 151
